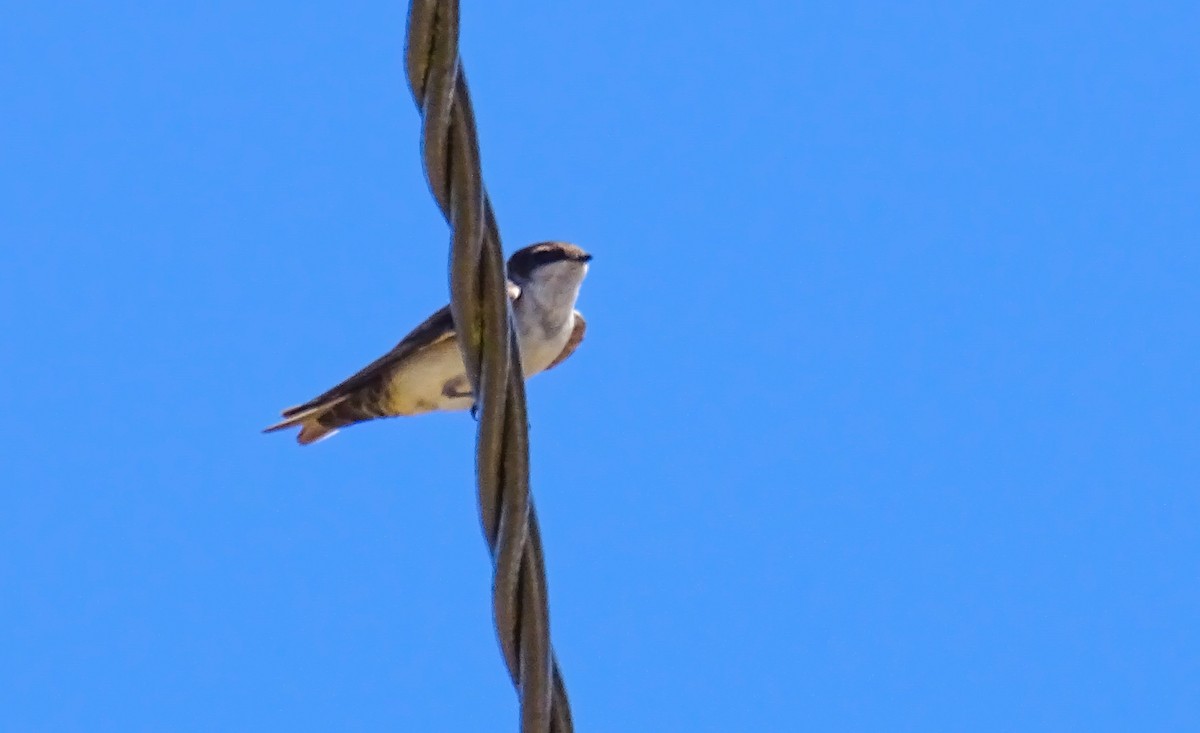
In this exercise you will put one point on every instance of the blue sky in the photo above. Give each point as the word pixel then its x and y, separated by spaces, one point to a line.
pixel 887 418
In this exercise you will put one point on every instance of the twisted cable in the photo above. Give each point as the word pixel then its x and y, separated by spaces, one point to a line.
pixel 491 354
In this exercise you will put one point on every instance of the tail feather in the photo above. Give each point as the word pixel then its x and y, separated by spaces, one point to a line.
pixel 314 419
pixel 312 432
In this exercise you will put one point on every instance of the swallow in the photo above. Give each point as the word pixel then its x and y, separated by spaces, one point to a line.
pixel 425 371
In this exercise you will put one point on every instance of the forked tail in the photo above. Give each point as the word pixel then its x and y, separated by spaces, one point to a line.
pixel 320 419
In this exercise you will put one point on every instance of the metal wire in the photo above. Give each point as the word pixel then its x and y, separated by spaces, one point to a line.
pixel 482 316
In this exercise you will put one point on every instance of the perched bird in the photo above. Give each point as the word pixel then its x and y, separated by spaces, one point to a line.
pixel 425 371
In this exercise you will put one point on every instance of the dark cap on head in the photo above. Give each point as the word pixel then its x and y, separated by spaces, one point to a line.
pixel 524 261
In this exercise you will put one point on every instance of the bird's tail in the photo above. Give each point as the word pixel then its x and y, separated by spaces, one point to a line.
pixel 317 419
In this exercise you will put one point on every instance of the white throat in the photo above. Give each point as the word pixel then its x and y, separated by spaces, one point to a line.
pixel 548 297
pixel 545 312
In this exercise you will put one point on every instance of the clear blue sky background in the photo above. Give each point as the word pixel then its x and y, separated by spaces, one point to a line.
pixel 887 419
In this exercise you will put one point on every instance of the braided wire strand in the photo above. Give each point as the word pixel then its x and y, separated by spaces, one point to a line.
pixel 491 354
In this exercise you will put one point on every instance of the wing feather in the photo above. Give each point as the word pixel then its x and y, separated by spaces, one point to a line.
pixel 573 342
pixel 437 328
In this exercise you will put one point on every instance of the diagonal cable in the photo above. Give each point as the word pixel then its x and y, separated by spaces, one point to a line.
pixel 483 319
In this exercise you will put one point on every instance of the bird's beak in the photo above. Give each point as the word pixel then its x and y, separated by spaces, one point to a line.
pixel 585 258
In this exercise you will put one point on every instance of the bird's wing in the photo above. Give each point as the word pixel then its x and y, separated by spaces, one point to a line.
pixel 437 328
pixel 573 342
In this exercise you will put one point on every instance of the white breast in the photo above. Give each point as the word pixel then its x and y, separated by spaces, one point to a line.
pixel 422 386
pixel 545 320
pixel 539 349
